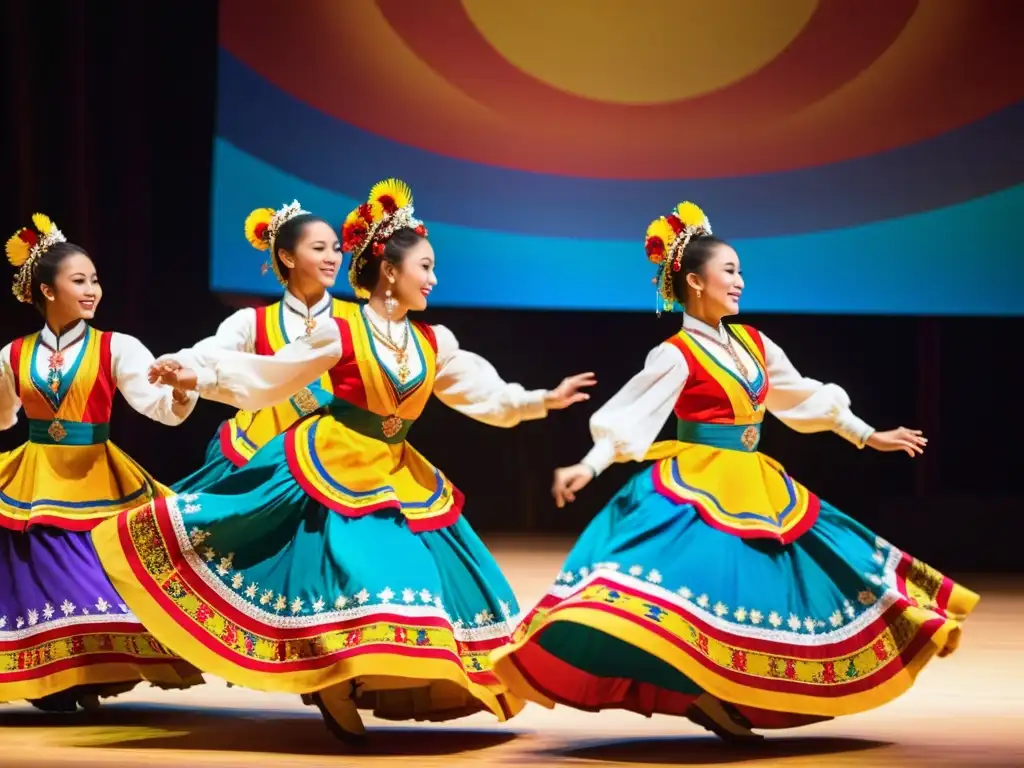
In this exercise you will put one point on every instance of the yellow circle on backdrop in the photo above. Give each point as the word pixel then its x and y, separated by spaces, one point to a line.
pixel 639 51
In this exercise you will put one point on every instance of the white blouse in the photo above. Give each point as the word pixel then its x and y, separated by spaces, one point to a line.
pixel 464 381
pixel 238 331
pixel 130 367
pixel 629 423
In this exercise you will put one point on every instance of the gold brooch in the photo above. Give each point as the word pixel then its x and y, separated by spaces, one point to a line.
pixel 306 401
pixel 57 431
pixel 749 438
pixel 391 426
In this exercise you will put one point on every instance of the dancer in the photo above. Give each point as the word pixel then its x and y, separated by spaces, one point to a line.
pixel 66 637
pixel 304 255
pixel 336 563
pixel 714 585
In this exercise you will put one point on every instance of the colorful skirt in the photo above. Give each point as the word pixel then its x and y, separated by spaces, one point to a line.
pixel 106 481
pixel 655 607
pixel 258 583
pixel 216 466
pixel 62 624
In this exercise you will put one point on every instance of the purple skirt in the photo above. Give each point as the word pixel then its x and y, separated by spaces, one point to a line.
pixel 62 624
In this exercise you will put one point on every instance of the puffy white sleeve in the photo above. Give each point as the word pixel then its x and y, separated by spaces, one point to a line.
pixel 130 362
pixel 628 424
pixel 250 382
pixel 806 405
pixel 238 332
pixel 469 384
pixel 10 404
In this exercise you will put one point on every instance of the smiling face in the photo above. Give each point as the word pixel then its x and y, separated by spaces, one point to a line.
pixel 720 283
pixel 314 260
pixel 413 279
pixel 74 293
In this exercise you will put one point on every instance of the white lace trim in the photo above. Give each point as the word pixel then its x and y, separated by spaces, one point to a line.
pixel 844 622
pixel 309 611
pixel 33 621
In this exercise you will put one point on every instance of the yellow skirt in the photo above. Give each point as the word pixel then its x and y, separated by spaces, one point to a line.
pixel 355 475
pixel 70 487
pixel 746 494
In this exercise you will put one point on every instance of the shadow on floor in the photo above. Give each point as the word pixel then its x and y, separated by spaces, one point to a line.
pixel 708 750
pixel 243 730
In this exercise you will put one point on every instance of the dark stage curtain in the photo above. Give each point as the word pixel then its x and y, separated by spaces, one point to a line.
pixel 108 123
pixel 108 114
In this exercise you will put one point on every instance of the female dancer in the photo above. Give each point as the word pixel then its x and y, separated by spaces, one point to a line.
pixel 714 585
pixel 337 563
pixel 305 256
pixel 66 637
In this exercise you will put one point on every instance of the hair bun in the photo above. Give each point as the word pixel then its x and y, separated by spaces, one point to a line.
pixel 666 240
pixel 388 208
pixel 24 249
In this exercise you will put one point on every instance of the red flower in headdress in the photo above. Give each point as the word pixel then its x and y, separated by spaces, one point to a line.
pixel 353 234
pixel 28 236
pixel 260 230
pixel 655 247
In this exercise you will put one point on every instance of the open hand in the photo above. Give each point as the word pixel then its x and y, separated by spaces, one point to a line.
pixel 170 373
pixel 911 441
pixel 569 480
pixel 162 369
pixel 568 392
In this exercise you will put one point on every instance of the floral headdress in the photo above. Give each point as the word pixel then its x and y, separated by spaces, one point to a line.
pixel 26 247
pixel 367 228
pixel 261 228
pixel 667 237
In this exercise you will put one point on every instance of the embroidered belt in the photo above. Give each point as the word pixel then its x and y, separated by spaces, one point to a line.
pixel 389 429
pixel 57 432
pixel 311 399
pixel 731 437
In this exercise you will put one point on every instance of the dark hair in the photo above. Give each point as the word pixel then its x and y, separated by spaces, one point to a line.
pixel 46 268
pixel 695 259
pixel 395 249
pixel 289 235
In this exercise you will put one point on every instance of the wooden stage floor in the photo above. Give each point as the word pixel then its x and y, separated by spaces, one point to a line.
pixel 967 710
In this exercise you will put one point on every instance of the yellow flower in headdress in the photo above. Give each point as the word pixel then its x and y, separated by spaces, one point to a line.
pixel 660 235
pixel 389 195
pixel 366 230
pixel 666 241
pixel 257 228
pixel 690 215
pixel 43 223
pixel 26 247
pixel 21 243
pixel 19 246
pixel 261 228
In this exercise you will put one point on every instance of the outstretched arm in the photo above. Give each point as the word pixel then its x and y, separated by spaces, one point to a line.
pixel 10 403
pixel 469 384
pixel 807 405
pixel 236 332
pixel 627 425
pixel 251 382
pixel 131 362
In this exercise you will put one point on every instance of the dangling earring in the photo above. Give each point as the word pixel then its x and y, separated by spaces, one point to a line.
pixel 390 304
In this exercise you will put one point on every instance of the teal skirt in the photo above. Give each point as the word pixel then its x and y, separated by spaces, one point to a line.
pixel 256 582
pixel 654 607
pixel 216 466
